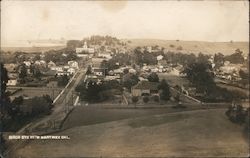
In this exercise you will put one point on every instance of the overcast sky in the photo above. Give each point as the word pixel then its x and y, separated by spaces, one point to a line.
pixel 184 20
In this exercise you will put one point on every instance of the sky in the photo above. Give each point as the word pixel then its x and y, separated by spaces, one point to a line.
pixel 214 21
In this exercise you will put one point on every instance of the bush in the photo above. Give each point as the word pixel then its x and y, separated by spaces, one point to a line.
pixel 135 99
pixel 236 114
pixel 145 99
pixel 179 48
pixel 171 45
pixel 156 98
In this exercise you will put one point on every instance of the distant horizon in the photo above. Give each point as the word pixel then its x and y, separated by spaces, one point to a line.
pixel 60 39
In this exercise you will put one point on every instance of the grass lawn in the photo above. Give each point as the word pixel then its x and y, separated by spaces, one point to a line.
pixel 173 80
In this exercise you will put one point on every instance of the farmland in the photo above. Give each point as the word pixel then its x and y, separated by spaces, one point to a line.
pixel 195 47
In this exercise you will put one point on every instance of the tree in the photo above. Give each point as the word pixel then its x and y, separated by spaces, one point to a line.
pixel 23 73
pixel 37 73
pixel 89 70
pixel 39 105
pixel 153 77
pixel 235 58
pixel 37 57
pixel 15 106
pixel 243 74
pixel 218 60
pixel 92 92
pixel 165 90
pixel 145 99
pixel 130 80
pixel 201 76
pixel 202 58
pixel 63 81
pixel 125 71
pixel 4 98
pixel 4 81
pixel 156 98
pixel 18 100
pixel 135 99
pixel 73 44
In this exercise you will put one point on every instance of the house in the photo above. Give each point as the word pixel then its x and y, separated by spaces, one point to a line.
pixel 114 77
pixel 12 82
pixel 12 79
pixel 105 55
pixel 71 71
pixel 159 57
pixel 93 78
pixel 145 88
pixel 10 67
pixel 133 71
pixel 27 63
pixel 162 63
pixel 73 64
pixel 98 71
pixel 51 64
pixel 96 62
pixel 85 49
pixel 57 68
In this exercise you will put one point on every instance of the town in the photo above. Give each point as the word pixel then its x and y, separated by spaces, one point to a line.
pixel 44 88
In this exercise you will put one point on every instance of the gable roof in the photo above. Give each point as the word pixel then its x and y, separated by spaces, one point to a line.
pixel 145 85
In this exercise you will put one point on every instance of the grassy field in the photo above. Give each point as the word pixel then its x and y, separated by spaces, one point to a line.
pixel 32 49
pixel 194 46
pixel 32 92
pixel 82 116
pixel 173 80
pixel 186 134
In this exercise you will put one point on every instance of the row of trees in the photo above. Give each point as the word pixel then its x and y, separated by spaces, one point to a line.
pixel 117 61
pixel 94 40
pixel 201 77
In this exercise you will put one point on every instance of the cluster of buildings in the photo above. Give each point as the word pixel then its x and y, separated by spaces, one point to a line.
pixel 100 51
pixel 46 69
pixel 68 69
pixel 230 71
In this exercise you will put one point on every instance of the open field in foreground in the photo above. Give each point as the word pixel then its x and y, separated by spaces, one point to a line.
pixel 186 134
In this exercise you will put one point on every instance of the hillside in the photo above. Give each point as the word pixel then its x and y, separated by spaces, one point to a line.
pixel 193 46
pixel 31 49
pixel 186 134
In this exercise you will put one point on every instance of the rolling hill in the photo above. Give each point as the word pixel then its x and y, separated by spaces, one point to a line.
pixel 195 47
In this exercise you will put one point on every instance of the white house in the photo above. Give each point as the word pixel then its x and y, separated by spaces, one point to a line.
pixel 105 55
pixel 85 49
pixel 51 64
pixel 98 71
pixel 12 82
pixel 159 57
pixel 71 71
pixel 27 63
pixel 57 68
pixel 73 64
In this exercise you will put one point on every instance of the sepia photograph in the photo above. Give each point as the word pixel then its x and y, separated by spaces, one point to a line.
pixel 124 78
